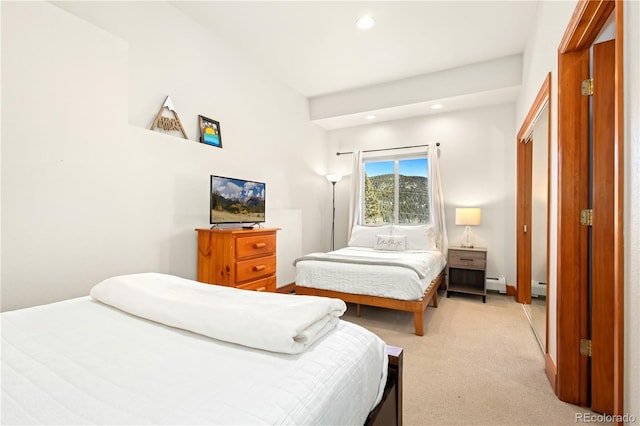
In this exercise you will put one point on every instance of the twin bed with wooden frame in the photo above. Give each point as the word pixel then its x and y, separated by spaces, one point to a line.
pixel 394 267
pixel 141 350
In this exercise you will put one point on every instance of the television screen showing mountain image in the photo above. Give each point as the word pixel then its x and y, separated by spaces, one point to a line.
pixel 237 200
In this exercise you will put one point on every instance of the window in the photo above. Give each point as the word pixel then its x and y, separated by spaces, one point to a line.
pixel 396 191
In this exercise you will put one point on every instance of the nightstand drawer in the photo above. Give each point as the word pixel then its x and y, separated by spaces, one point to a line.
pixel 255 268
pixel 255 245
pixel 467 259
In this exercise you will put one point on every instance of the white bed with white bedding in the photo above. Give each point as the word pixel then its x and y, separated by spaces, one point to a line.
pixel 391 266
pixel 82 361
pixel 397 275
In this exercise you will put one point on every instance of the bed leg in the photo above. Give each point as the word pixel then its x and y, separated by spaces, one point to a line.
pixel 358 310
pixel 418 322
pixel 434 300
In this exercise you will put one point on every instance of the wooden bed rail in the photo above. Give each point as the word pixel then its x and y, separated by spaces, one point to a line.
pixel 389 411
pixel 417 307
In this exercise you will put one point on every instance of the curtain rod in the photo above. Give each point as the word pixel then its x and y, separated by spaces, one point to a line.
pixel 387 149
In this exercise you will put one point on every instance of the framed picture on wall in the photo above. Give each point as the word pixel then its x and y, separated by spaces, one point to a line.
pixel 210 132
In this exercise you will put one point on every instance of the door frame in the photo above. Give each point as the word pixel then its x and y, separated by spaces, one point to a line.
pixel 523 208
pixel 587 21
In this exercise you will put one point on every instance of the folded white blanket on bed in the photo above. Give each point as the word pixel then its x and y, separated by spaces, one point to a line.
pixel 274 322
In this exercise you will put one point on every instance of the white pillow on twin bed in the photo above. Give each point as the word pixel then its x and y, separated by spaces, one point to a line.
pixel 391 242
pixel 419 237
pixel 366 236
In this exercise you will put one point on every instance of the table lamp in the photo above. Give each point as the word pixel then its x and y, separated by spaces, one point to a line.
pixel 467 216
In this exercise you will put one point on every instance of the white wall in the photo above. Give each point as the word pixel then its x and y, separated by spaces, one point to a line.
pixel 477 158
pixel 89 192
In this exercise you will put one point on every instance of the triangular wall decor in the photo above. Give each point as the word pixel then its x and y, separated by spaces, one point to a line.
pixel 166 123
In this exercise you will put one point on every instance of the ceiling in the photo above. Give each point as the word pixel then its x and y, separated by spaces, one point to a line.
pixel 315 48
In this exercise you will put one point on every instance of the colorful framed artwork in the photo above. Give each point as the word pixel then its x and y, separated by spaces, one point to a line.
pixel 210 132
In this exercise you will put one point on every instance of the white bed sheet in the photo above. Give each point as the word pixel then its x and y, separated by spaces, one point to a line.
pixel 82 362
pixel 373 280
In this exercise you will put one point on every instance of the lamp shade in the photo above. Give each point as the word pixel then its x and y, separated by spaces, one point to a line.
pixel 468 216
pixel 334 178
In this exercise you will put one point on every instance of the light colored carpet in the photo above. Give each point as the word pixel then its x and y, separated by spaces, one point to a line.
pixel 476 364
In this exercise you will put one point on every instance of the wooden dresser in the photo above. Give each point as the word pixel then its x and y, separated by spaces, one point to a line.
pixel 241 258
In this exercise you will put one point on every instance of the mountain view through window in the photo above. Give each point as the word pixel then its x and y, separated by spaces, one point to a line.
pixel 396 191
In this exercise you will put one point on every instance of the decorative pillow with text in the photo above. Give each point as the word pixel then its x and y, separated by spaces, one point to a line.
pixel 391 242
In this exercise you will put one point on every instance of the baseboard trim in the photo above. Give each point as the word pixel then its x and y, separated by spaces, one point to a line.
pixel 511 290
pixel 550 369
pixel 287 288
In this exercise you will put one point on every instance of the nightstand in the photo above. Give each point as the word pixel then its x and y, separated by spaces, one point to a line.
pixel 466 271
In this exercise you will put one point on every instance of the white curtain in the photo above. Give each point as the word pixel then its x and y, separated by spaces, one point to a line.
pixel 437 201
pixel 355 207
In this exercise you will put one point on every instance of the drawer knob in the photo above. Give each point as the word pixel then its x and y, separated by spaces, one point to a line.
pixel 258 268
pixel 467 259
pixel 259 245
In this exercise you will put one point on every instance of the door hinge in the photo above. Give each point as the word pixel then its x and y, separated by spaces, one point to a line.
pixel 586 217
pixel 587 87
pixel 585 347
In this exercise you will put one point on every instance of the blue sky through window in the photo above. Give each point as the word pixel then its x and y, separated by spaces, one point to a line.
pixel 379 168
pixel 413 167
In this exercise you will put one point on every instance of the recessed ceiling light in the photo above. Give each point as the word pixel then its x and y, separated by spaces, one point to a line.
pixel 370 117
pixel 365 22
pixel 436 106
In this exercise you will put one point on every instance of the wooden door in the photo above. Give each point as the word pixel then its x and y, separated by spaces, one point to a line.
pixel 523 234
pixel 606 317
pixel 602 256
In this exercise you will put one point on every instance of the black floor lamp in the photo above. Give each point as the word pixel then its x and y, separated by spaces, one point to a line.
pixel 333 179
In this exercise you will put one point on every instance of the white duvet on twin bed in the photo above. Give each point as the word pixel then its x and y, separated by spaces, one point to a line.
pixel 83 362
pixel 370 279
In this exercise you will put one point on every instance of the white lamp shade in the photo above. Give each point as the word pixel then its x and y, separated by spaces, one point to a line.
pixel 334 178
pixel 468 216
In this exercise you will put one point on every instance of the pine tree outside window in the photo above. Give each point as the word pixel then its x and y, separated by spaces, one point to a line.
pixel 396 191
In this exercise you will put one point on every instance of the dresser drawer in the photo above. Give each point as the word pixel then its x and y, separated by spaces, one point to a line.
pixel 252 269
pixel 255 245
pixel 467 259
pixel 264 284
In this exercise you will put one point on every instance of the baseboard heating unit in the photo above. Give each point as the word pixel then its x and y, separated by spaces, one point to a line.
pixel 498 284
pixel 538 289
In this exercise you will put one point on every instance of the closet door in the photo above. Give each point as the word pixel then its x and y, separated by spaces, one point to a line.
pixel 602 235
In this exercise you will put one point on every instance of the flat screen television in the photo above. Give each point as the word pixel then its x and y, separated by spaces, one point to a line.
pixel 236 201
